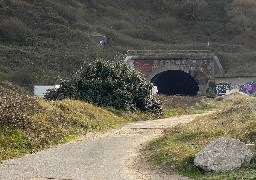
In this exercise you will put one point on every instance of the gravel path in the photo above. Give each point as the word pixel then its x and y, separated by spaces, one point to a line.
pixel 110 156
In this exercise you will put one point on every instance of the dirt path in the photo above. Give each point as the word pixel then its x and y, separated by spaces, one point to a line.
pixel 110 156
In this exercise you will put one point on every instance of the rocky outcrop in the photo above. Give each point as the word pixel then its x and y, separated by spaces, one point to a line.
pixel 222 155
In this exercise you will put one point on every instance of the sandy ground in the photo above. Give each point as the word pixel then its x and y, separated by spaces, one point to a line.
pixel 114 155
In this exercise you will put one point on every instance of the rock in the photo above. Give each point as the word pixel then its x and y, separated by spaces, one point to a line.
pixel 223 155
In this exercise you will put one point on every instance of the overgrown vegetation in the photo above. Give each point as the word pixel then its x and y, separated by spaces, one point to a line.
pixel 111 85
pixel 180 105
pixel 28 124
pixel 46 123
pixel 49 40
pixel 176 149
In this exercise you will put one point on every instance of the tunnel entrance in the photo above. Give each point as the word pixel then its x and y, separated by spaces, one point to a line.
pixel 175 82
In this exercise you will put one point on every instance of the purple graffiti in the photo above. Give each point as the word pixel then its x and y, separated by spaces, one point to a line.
pixel 249 88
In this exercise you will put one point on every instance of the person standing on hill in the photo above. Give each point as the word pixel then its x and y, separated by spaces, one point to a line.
pixel 103 42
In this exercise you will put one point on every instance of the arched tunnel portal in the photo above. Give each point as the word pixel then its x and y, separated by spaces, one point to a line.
pixel 175 82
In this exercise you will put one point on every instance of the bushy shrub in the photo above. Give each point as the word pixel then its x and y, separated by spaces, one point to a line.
pixel 111 84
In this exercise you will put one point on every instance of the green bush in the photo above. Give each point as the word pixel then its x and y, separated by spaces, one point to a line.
pixel 111 84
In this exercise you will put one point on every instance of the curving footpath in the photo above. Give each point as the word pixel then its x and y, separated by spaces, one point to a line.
pixel 110 156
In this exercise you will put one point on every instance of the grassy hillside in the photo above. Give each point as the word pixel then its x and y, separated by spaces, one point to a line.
pixel 28 124
pixel 44 41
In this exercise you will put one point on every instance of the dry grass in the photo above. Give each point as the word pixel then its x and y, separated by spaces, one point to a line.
pixel 180 105
pixel 29 124
pixel 176 150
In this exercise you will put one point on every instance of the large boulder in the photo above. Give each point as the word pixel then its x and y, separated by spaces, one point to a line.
pixel 223 155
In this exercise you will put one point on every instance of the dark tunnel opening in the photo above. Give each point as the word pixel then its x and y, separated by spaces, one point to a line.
pixel 175 82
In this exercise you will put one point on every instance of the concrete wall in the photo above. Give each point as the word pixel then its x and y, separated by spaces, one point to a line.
pixel 235 80
pixel 232 83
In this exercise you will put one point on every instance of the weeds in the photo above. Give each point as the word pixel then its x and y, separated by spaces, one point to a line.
pixel 29 124
pixel 176 149
pixel 180 105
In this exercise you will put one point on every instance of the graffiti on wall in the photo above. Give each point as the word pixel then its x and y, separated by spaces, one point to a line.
pixel 248 88
pixel 222 88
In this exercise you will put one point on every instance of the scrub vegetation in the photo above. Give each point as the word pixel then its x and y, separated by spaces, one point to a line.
pixel 29 124
pixel 175 151
pixel 109 84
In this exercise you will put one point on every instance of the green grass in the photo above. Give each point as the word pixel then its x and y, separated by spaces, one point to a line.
pixel 176 149
pixel 29 124
pixel 55 122
pixel 180 105
pixel 13 143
